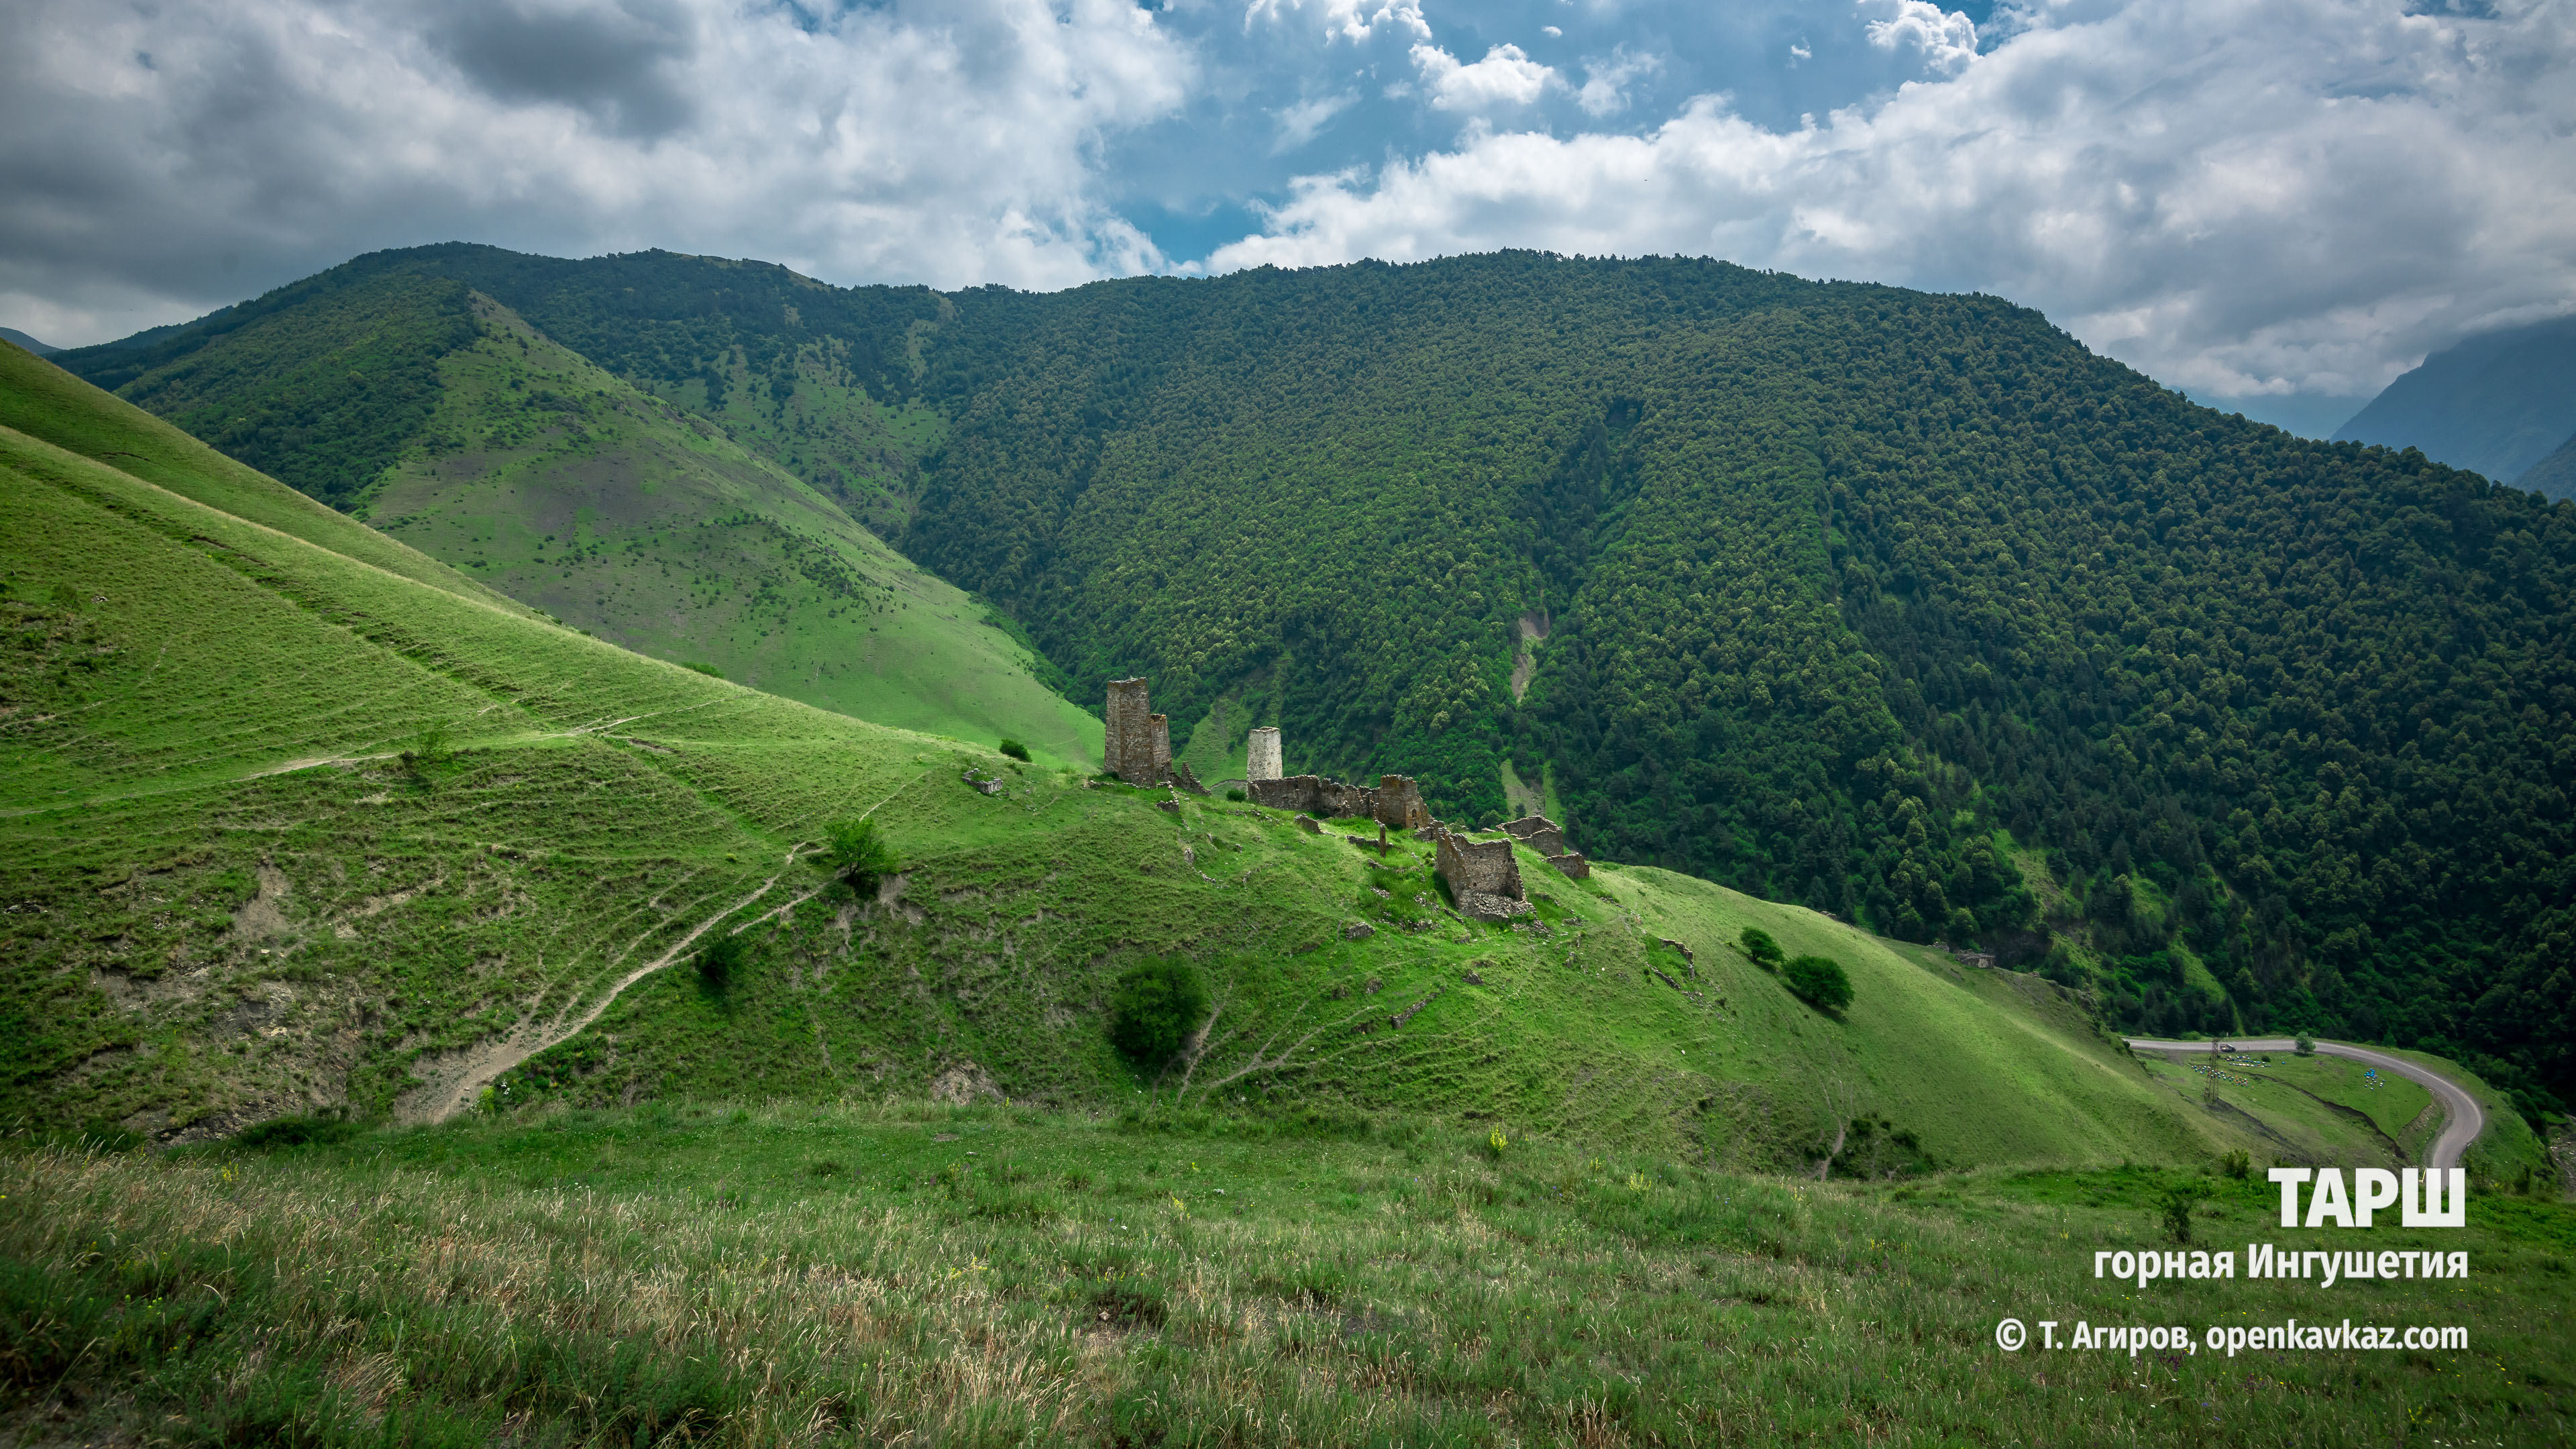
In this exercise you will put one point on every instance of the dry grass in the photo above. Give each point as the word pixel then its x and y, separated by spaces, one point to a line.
pixel 653 1276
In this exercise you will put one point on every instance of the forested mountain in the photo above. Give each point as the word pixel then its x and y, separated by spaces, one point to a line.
pixel 2496 403
pixel 1905 606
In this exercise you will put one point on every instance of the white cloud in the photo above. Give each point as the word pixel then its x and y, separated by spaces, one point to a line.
pixel 1299 123
pixel 1605 80
pixel 2301 196
pixel 1551 32
pixel 955 143
pixel 1351 20
pixel 1947 38
pixel 1506 77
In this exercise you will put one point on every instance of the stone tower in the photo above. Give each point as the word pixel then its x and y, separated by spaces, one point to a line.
pixel 1261 756
pixel 1161 728
pixel 1127 744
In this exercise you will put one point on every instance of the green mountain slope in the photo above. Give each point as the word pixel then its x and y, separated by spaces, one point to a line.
pixel 1903 606
pixel 229 894
pixel 413 401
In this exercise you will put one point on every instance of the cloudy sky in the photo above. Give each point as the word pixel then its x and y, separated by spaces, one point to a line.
pixel 2276 205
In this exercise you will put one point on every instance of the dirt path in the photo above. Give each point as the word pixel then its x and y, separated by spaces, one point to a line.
pixel 454 1083
pixel 2464 1119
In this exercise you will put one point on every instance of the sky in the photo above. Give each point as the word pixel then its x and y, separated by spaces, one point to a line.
pixel 2275 205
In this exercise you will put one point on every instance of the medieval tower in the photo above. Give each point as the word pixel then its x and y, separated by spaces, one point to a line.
pixel 1261 755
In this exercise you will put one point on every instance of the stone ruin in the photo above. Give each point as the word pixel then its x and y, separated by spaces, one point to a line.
pixel 1136 743
pixel 1548 838
pixel 1261 755
pixel 1396 801
pixel 1481 874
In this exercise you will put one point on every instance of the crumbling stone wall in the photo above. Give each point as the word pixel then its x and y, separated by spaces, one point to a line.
pixel 1538 833
pixel 1344 802
pixel 1301 793
pixel 1398 804
pixel 1571 865
pixel 1483 867
pixel 1261 755
pixel 1160 729
pixel 1127 743
pixel 1314 794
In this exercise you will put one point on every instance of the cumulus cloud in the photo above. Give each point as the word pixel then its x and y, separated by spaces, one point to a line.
pixel 2304 196
pixel 159 156
pixel 1947 38
pixel 1505 78
pixel 1606 79
pixel 1351 20
pixel 1300 122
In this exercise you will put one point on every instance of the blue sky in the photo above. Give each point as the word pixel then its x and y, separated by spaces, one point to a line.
pixel 2276 205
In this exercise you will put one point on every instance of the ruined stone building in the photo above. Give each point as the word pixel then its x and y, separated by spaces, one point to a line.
pixel 1481 875
pixel 1261 755
pixel 1544 836
pixel 1398 804
pixel 1136 743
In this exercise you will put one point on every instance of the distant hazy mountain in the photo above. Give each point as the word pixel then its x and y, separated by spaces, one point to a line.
pixel 31 344
pixel 2497 403
pixel 2555 475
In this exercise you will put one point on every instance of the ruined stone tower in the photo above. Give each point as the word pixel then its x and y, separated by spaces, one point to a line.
pixel 1128 744
pixel 1261 756
pixel 1399 804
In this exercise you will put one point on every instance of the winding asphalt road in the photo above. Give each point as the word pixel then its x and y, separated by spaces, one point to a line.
pixel 2463 1119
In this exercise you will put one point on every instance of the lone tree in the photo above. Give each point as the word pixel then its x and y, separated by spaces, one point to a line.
pixel 1757 945
pixel 718 960
pixel 1155 1006
pixel 1819 981
pixel 857 853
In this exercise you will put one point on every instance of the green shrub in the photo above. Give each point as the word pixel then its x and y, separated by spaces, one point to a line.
pixel 1234 795
pixel 1155 1006
pixel 1757 945
pixel 719 958
pixel 1819 981
pixel 709 670
pixel 858 853
pixel 1015 749
pixel 2306 1045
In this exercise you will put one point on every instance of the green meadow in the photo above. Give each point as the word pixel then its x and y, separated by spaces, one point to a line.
pixel 829 1272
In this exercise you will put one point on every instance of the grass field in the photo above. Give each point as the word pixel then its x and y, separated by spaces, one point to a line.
pixel 989 1276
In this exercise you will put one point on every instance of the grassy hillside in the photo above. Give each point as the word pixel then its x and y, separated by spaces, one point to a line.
pixel 564 487
pixel 794 1274
pixel 557 484
pixel 285 829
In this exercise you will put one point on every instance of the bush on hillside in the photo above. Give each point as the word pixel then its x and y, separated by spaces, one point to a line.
pixel 1819 981
pixel 1155 1006
pixel 1757 945
pixel 2305 1046
pixel 720 958
pixel 1015 749
pixel 709 670
pixel 857 851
